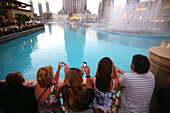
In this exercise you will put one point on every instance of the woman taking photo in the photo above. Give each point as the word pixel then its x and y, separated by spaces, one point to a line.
pixel 104 84
pixel 77 96
pixel 46 88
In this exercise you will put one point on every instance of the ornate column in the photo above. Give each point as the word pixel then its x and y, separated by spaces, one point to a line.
pixel 160 66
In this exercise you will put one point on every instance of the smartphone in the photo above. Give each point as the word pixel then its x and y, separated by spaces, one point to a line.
pixel 84 64
pixel 62 64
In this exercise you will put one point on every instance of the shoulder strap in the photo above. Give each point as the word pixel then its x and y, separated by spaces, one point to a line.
pixel 42 94
pixel 113 85
pixel 94 80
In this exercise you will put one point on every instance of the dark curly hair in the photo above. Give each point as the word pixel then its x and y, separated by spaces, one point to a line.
pixel 141 63
pixel 14 79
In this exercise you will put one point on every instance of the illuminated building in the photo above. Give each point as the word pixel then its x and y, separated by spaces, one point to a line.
pixel 13 7
pixel 152 12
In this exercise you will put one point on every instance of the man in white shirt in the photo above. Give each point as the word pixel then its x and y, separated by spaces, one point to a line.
pixel 138 86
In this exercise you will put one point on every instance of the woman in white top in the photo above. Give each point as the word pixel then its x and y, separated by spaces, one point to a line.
pixel 104 82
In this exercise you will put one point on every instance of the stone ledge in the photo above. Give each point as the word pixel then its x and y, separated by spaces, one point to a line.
pixel 162 52
pixel 160 58
pixel 19 34
pixel 35 81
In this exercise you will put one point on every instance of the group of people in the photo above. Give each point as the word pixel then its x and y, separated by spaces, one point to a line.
pixel 95 96
pixel 8 30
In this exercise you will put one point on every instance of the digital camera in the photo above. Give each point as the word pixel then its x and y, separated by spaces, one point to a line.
pixel 84 64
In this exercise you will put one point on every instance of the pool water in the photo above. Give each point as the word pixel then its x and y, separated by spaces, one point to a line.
pixel 73 45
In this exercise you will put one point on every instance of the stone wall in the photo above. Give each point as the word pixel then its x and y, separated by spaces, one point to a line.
pixel 19 34
pixel 160 66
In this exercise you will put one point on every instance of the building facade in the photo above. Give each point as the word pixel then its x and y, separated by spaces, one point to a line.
pixel 74 6
pixel 150 12
pixel 40 9
pixel 13 7
pixel 47 6
pixel 32 8
pixel 105 8
pixel 132 1
pixel 47 14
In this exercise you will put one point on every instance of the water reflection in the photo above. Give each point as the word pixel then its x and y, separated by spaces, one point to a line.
pixel 15 55
pixel 50 29
pixel 74 37
pixel 51 50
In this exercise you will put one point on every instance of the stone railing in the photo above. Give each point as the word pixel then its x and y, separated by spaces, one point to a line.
pixel 19 34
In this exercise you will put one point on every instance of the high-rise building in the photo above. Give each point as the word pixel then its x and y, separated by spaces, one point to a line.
pixel 47 6
pixel 32 8
pixel 74 6
pixel 105 8
pixel 100 8
pixel 40 9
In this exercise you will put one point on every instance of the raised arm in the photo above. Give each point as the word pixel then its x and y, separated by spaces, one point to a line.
pixel 66 67
pixel 119 71
pixel 87 70
pixel 114 71
pixel 97 68
pixel 56 77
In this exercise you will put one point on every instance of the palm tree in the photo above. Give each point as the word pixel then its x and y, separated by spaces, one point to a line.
pixel 21 18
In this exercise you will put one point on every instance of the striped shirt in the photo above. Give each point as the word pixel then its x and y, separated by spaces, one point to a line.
pixel 137 92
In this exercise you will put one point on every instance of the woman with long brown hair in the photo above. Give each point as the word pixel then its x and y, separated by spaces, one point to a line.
pixel 104 84
pixel 77 96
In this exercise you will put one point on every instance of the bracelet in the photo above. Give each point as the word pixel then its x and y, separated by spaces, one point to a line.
pixel 118 71
pixel 88 76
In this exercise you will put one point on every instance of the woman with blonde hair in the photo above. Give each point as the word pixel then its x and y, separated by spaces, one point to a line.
pixel 77 96
pixel 105 81
pixel 46 88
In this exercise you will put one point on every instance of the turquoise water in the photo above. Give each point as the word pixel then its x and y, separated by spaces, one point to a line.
pixel 73 45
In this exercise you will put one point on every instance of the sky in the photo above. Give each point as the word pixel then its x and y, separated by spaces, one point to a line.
pixel 56 5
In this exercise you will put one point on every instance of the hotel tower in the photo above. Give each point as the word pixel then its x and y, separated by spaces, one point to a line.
pixel 74 6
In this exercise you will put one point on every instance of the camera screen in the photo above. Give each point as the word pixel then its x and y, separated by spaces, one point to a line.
pixel 84 64
pixel 62 64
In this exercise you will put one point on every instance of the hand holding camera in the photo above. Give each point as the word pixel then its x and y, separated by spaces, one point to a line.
pixel 85 68
pixel 61 64
pixel 84 64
